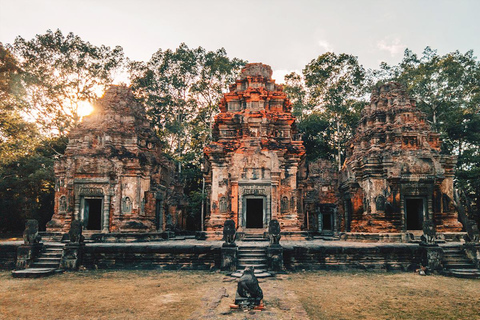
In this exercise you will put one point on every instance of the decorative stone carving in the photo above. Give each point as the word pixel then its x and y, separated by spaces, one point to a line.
pixel 254 147
pixel 111 155
pixel 223 205
pixel 62 204
pixel 395 157
pixel 126 205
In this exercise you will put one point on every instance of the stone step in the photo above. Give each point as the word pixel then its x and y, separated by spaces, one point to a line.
pixel 252 265
pixel 53 249
pixel 263 274
pixel 464 273
pixel 54 245
pixel 49 259
pixel 459 265
pixel 457 260
pixel 52 254
pixel 252 260
pixel 251 254
pixel 45 264
pixel 254 239
pixel 34 272
pixel 251 248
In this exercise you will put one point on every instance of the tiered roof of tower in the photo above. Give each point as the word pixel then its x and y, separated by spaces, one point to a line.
pixel 255 96
pixel 118 127
pixel 392 122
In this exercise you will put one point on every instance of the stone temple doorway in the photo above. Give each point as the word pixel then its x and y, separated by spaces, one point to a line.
pixel 92 213
pixel 254 212
pixel 414 211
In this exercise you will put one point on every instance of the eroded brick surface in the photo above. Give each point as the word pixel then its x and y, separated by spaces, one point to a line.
pixel 113 175
pixel 395 176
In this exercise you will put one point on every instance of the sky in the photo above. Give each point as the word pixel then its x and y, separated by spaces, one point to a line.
pixel 283 34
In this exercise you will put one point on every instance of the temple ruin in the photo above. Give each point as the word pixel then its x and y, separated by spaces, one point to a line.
pixel 395 176
pixel 113 175
pixel 252 163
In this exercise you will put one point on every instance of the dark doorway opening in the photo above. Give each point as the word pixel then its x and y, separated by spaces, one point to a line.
pixel 93 214
pixel 414 208
pixel 327 222
pixel 254 213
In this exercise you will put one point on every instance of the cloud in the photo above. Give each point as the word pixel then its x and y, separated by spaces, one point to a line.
pixel 391 45
pixel 325 45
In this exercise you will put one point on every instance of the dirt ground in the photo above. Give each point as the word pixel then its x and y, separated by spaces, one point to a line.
pixel 207 295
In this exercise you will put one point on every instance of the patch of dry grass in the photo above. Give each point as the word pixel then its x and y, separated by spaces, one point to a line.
pixel 178 295
pixel 343 295
pixel 105 295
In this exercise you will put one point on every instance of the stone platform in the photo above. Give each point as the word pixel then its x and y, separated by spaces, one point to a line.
pixel 191 254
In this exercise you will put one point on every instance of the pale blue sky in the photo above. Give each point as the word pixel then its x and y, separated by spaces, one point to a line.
pixel 284 34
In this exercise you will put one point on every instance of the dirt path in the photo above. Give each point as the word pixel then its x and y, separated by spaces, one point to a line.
pixel 279 301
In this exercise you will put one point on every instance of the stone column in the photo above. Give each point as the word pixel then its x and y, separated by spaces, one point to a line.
pixel 234 201
pixel 275 258
pixel 72 256
pixel 229 258
pixel 106 213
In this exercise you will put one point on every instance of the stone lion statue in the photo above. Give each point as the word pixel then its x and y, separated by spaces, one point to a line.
pixel 429 232
pixel 229 232
pixel 30 235
pixel 471 228
pixel 249 294
pixel 75 233
pixel 274 232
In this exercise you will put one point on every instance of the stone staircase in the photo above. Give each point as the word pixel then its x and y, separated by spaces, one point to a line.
pixel 254 257
pixel 457 264
pixel 46 264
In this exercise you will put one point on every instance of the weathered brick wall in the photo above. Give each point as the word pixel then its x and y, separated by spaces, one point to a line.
pixel 376 258
pixel 8 256
pixel 152 256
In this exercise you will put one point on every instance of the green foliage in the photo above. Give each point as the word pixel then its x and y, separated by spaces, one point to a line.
pixel 59 72
pixel 315 133
pixel 181 90
pixel 333 92
pixel 27 186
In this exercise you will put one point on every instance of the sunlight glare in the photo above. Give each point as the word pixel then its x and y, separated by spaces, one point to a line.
pixel 84 108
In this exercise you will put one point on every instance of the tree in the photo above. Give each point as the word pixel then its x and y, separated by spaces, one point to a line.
pixel 336 86
pixel 60 72
pixel 181 90
pixel 27 186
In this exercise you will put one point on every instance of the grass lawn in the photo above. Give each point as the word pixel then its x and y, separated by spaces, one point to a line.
pixel 176 295
pixel 342 295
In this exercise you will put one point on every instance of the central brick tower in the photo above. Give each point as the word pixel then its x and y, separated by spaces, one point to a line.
pixel 252 163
